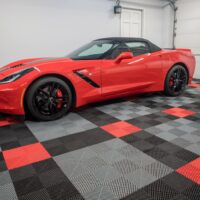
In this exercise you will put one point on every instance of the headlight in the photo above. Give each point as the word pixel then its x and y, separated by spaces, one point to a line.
pixel 13 77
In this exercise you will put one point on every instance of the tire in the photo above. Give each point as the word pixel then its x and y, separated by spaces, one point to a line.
pixel 48 99
pixel 176 81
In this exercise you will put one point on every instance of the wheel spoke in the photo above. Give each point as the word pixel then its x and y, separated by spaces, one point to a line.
pixel 179 73
pixel 42 92
pixel 41 104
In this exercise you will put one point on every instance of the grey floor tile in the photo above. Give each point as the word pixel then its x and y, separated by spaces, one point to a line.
pixel 7 192
pixel 70 124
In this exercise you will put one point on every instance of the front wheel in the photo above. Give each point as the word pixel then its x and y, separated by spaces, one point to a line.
pixel 48 99
pixel 176 81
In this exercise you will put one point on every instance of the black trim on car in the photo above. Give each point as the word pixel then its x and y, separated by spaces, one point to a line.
pixel 87 79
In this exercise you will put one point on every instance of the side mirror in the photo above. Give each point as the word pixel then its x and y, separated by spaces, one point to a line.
pixel 122 56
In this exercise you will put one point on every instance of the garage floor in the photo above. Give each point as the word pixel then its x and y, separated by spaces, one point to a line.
pixel 144 148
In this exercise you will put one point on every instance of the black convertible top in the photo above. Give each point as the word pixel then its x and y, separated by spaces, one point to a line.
pixel 152 46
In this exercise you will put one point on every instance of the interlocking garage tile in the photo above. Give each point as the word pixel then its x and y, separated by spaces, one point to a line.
pixel 15 135
pixel 139 195
pixel 112 166
pixel 96 116
pixel 172 161
pixel 195 148
pixel 160 190
pixel 179 112
pixel 21 173
pixel 44 166
pixel 76 141
pixel 70 124
pixel 147 102
pixel 169 147
pixel 178 182
pixel 151 120
pixel 7 192
pixel 52 177
pixel 55 147
pixel 120 129
pixel 174 101
pixel 64 190
pixel 193 106
pixel 195 85
pixel 38 194
pixel 2 163
pixel 181 132
pixel 186 155
pixel 5 178
pixel 28 185
pixel 191 170
pixel 126 110
pixel 193 192
pixel 193 92
pixel 167 153
pixel 25 155
pixel 195 118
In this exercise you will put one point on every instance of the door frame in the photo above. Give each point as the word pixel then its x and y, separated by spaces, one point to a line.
pixel 134 9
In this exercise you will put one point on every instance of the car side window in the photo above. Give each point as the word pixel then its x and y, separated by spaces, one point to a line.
pixel 118 50
pixel 138 48
pixel 96 49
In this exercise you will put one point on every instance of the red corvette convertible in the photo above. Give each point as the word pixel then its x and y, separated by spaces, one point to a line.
pixel 47 88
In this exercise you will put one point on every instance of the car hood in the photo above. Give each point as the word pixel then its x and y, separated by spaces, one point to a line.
pixel 26 63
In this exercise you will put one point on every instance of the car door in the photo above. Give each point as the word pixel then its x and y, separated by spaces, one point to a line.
pixel 137 73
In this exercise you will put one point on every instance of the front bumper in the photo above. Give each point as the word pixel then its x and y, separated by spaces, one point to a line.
pixel 11 99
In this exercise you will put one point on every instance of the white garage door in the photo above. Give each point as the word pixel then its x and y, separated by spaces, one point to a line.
pixel 188 28
pixel 131 23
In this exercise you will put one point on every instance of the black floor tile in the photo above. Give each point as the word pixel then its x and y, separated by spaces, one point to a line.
pixel 96 116
pixel 22 173
pixel 64 190
pixel 178 182
pixel 157 153
pixel 186 155
pixel 193 192
pixel 28 185
pixel 36 195
pixel 160 191
pixel 2 163
pixel 44 166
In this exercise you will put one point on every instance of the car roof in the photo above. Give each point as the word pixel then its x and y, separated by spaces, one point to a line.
pixel 153 47
pixel 123 39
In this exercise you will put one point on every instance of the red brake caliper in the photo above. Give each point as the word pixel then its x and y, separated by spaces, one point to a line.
pixel 171 82
pixel 59 94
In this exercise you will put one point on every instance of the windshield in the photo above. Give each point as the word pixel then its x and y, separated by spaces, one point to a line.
pixel 93 51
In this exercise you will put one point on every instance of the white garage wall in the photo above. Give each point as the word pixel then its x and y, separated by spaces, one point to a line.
pixel 40 28
pixel 188 28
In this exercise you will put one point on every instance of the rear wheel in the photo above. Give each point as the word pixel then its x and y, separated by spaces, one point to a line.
pixel 48 99
pixel 176 81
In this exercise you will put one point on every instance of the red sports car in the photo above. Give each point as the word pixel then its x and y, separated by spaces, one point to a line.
pixel 47 88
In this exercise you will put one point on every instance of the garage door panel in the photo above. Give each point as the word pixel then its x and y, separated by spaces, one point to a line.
pixel 188 9
pixel 188 41
pixel 189 26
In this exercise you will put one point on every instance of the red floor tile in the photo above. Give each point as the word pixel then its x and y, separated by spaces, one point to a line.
pixel 120 129
pixel 191 171
pixel 195 85
pixel 25 155
pixel 179 112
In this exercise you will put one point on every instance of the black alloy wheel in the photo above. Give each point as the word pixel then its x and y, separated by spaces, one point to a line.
pixel 48 99
pixel 176 81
